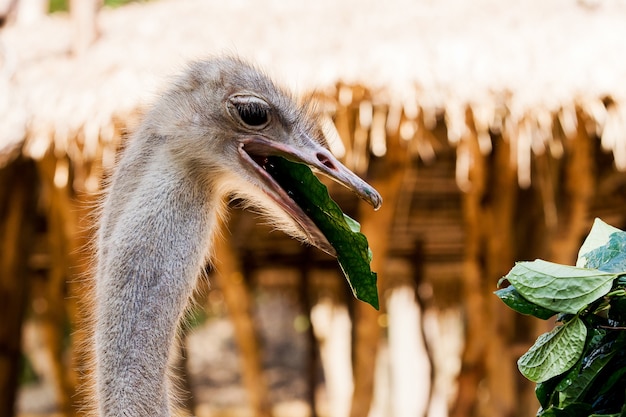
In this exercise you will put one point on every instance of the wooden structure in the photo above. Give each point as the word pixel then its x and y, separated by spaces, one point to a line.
pixel 495 131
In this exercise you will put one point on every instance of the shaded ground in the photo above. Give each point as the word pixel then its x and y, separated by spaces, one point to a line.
pixel 214 370
pixel 214 366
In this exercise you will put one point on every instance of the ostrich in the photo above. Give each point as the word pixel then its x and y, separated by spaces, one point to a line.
pixel 205 140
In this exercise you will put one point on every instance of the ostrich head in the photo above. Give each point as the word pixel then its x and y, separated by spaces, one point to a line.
pixel 225 118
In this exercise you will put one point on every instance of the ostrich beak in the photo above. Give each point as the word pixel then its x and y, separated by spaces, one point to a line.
pixel 255 151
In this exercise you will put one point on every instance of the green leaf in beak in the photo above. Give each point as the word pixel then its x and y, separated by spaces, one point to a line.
pixel 343 233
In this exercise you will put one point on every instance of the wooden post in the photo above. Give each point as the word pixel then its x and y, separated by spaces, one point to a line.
pixel 473 366
pixel 51 321
pixel 499 224
pixel 230 279
pixel 578 188
pixel 489 211
pixel 84 18
pixel 386 176
pixel 18 185
pixel 29 12
pixel 313 355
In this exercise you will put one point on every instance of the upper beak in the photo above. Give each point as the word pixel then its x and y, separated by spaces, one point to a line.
pixel 320 159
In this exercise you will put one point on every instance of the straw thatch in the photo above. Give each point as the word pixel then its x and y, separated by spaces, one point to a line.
pixel 522 68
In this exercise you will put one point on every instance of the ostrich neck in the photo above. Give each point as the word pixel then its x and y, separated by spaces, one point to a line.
pixel 156 226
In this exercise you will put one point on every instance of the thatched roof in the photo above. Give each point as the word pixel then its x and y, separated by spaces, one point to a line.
pixel 520 67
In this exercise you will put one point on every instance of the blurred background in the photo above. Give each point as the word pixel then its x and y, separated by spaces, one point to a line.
pixel 494 129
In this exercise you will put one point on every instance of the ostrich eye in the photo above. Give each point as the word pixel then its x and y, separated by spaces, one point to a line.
pixel 253 114
pixel 252 111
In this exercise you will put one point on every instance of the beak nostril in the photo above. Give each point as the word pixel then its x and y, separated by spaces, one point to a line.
pixel 325 161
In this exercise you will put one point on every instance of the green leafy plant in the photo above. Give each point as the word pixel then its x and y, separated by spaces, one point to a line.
pixel 343 232
pixel 580 365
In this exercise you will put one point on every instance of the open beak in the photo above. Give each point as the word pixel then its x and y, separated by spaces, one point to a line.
pixel 256 149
